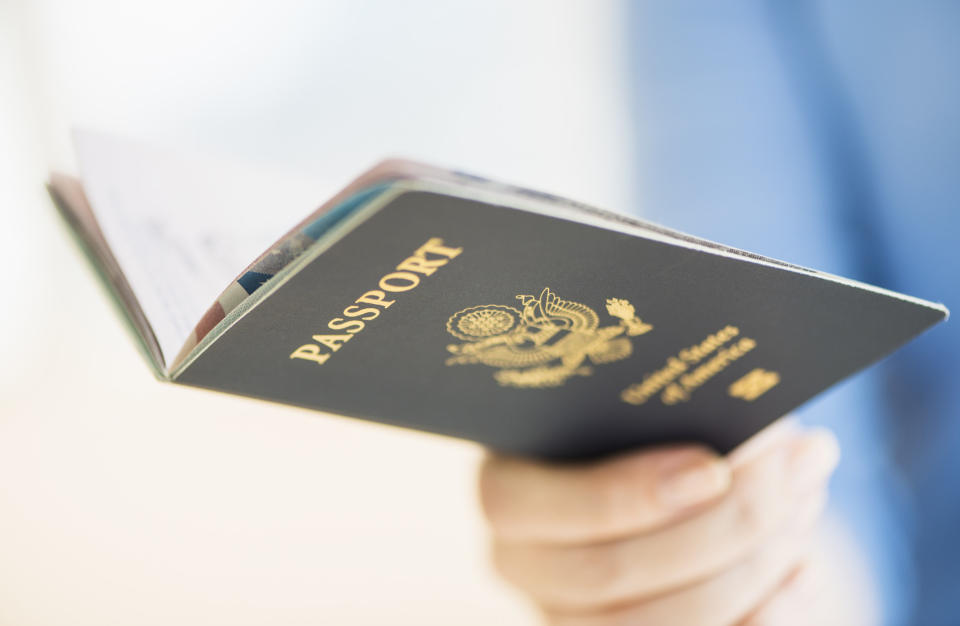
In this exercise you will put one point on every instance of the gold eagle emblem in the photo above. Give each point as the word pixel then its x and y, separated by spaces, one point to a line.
pixel 546 342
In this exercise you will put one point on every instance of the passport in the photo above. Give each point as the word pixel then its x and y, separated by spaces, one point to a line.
pixel 439 301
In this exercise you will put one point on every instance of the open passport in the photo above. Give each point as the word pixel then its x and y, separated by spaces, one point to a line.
pixel 436 300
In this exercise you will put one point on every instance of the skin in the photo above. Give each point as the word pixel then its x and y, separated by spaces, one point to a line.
pixel 672 536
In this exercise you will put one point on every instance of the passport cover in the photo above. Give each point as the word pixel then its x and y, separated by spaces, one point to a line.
pixel 533 334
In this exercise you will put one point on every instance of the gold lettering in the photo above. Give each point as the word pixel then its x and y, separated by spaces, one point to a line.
pixel 671 381
pixel 334 342
pixel 310 352
pixel 435 245
pixel 754 384
pixel 410 279
pixel 673 394
pixel 653 383
pixel 717 364
pixel 355 311
pixel 375 297
pixel 421 265
pixel 350 326
pixel 697 353
pixel 406 277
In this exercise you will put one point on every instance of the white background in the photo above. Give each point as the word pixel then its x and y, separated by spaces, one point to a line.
pixel 126 501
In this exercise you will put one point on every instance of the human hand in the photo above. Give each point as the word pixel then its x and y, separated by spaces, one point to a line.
pixel 670 536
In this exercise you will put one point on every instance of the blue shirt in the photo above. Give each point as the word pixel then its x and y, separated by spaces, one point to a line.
pixel 828 134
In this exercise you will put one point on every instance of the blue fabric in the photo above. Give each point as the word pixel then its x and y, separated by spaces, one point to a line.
pixel 828 134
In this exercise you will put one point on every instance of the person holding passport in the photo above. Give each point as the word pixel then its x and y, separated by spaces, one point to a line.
pixel 671 535
pixel 826 134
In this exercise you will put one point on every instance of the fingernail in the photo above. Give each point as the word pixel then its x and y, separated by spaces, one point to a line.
pixel 814 458
pixel 696 483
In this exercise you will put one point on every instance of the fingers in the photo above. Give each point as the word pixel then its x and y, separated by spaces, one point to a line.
pixel 526 501
pixel 766 493
pixel 784 428
pixel 723 599
pixel 793 603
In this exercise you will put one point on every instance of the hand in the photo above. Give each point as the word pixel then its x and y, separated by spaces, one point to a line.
pixel 672 536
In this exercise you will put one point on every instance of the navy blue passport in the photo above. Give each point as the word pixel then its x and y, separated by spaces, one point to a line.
pixel 533 325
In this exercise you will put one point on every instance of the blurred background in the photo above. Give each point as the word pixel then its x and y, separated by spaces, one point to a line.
pixel 822 133
pixel 124 501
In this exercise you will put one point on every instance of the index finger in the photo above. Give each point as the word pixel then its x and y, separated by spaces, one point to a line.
pixel 586 502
